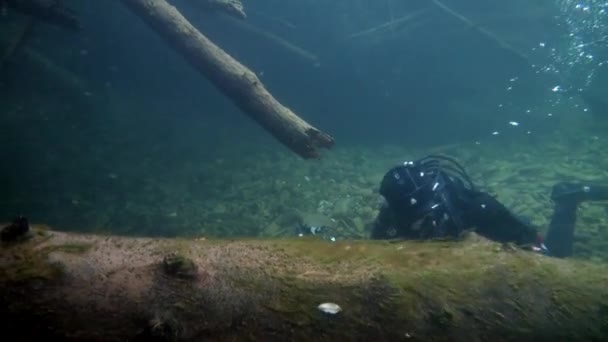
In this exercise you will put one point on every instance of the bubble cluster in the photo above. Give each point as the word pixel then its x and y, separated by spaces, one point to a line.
pixel 587 26
pixel 571 62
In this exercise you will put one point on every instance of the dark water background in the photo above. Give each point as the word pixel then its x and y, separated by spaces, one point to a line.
pixel 141 115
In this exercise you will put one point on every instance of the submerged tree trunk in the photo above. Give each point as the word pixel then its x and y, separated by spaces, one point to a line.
pixel 89 288
pixel 231 77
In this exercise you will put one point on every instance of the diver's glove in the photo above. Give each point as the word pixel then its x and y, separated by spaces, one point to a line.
pixel 537 246
pixel 540 246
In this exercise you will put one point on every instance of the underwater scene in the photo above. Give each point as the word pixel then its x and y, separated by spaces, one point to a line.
pixel 324 124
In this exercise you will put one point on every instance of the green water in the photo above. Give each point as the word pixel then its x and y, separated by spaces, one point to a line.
pixel 108 130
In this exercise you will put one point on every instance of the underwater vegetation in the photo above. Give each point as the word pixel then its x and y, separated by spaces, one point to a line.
pixel 279 192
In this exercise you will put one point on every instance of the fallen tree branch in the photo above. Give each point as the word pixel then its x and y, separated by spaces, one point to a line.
pixel 234 79
pixel 90 288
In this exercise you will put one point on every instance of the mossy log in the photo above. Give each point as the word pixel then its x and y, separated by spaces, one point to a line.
pixel 92 288
pixel 239 83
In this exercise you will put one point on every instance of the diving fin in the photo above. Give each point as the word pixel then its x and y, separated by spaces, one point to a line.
pixel 567 196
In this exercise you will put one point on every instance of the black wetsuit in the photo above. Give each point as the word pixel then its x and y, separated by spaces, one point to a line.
pixel 434 197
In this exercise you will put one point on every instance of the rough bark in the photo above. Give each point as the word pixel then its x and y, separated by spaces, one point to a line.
pixel 231 77
pixel 93 288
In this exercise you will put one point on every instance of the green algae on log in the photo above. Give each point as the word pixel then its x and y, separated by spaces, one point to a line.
pixel 89 287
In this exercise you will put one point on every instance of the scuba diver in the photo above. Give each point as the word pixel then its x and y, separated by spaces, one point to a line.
pixel 433 197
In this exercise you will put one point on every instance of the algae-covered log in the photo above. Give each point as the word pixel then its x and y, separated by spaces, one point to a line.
pixel 234 79
pixel 86 288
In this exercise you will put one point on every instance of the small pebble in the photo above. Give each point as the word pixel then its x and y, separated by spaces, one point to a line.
pixel 330 308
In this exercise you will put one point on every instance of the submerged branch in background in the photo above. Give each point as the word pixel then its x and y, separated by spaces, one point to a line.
pixel 61 76
pixel 232 7
pixel 18 53
pixel 17 41
pixel 286 45
pixel 390 25
pixel 483 31
pixel 235 80
pixel 281 21
pixel 50 11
